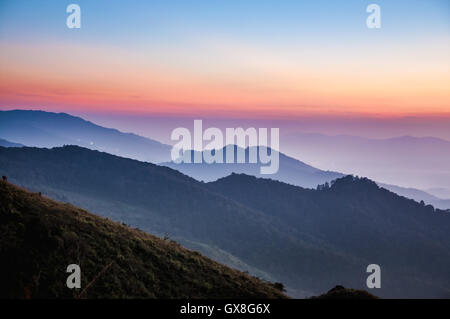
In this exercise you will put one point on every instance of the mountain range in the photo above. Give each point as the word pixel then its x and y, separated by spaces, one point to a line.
pixel 291 171
pixel 47 129
pixel 308 239
pixel 418 162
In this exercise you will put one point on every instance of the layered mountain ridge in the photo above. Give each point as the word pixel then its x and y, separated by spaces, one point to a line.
pixel 308 239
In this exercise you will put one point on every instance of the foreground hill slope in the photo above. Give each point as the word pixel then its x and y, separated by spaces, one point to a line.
pixel 40 237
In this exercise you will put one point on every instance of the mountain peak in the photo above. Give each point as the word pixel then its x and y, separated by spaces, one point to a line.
pixel 353 181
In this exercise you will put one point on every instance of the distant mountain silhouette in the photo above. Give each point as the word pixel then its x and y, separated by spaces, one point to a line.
pixel 39 238
pixel 6 143
pixel 307 239
pixel 291 171
pixel 418 195
pixel 46 129
pixel 405 160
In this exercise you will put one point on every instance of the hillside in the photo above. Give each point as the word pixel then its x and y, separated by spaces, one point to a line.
pixel 47 129
pixel 309 240
pixel 40 237
pixel 156 199
pixel 360 220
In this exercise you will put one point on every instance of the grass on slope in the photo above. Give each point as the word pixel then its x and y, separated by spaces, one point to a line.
pixel 40 237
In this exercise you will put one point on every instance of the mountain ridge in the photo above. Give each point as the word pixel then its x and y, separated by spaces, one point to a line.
pixel 292 171
pixel 418 162
pixel 49 129
pixel 37 128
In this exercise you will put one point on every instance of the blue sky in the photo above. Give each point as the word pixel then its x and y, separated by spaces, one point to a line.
pixel 132 22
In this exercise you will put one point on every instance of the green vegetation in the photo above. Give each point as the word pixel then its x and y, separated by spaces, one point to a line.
pixel 40 237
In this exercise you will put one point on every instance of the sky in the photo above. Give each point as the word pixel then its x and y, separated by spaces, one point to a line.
pixel 265 60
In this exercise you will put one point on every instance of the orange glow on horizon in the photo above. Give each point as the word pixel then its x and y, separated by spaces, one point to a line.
pixel 93 79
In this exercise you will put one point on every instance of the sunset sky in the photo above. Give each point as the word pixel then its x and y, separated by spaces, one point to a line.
pixel 255 59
